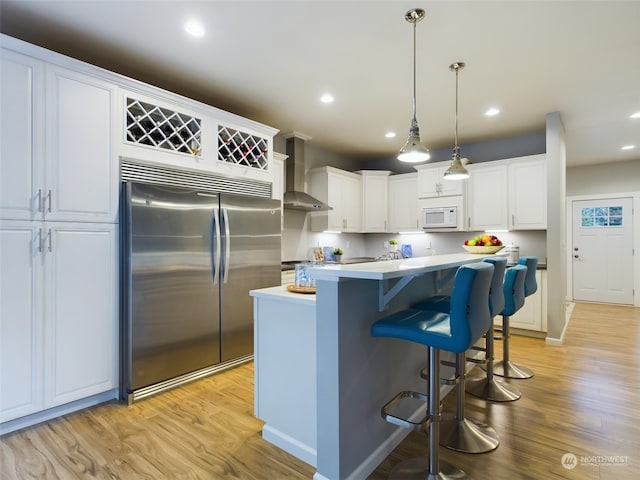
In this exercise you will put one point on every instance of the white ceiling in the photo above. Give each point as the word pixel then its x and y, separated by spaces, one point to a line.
pixel 271 60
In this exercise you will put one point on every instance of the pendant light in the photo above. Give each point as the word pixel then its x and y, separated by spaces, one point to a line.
pixel 414 151
pixel 456 170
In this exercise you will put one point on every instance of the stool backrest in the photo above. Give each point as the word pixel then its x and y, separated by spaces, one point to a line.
pixel 514 289
pixel 496 294
pixel 469 316
pixel 530 284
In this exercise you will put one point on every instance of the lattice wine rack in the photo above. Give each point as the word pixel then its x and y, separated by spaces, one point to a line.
pixel 159 127
pixel 242 149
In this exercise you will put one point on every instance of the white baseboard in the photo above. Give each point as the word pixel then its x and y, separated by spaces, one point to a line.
pixel 558 342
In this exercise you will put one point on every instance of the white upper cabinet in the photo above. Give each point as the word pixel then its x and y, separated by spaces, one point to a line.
pixel 340 190
pixel 375 200
pixel 163 128
pixel 528 193
pixel 58 158
pixel 81 164
pixel 487 196
pixel 508 194
pixel 21 129
pixel 431 182
pixel 403 203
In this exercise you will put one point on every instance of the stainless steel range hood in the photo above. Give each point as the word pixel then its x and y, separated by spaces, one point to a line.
pixel 295 197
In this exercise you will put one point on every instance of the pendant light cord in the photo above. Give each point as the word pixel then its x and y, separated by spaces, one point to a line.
pixel 456 120
pixel 414 69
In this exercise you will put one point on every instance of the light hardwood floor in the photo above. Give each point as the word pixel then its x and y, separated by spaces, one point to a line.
pixel 584 399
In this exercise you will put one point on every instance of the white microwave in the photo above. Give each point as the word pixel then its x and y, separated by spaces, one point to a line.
pixel 439 217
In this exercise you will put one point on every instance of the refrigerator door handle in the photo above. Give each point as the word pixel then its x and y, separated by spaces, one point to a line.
pixel 215 253
pixel 227 246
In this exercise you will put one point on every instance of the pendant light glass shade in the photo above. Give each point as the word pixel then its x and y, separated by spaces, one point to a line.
pixel 456 170
pixel 413 150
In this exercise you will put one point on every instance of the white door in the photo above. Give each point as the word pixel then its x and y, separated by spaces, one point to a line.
pixel 602 250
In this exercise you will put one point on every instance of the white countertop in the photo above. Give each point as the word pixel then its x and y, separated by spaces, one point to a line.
pixel 387 269
pixel 282 293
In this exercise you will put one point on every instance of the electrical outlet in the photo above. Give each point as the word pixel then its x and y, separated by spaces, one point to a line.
pixel 385 244
pixel 348 244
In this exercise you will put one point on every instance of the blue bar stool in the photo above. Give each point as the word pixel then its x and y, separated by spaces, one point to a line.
pixel 506 368
pixel 454 332
pixel 457 432
pixel 488 387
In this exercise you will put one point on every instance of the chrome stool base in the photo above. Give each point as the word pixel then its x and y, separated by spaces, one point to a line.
pixel 511 370
pixel 418 469
pixel 493 390
pixel 466 435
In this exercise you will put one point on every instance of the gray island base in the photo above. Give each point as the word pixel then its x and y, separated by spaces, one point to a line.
pixel 321 379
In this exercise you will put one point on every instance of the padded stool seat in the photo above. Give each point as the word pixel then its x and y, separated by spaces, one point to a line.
pixel 455 331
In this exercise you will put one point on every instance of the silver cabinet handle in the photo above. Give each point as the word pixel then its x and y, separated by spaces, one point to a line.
pixel 40 240
pixel 49 241
pixel 49 195
pixel 39 197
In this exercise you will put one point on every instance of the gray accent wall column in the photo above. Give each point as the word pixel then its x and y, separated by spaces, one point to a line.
pixel 556 228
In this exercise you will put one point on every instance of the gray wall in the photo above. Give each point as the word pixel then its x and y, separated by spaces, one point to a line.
pixel 519 146
pixel 618 177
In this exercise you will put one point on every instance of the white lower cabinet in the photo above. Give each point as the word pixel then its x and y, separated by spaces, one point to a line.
pixel 59 322
pixel 533 314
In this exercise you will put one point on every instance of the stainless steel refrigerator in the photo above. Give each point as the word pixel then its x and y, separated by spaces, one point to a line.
pixel 190 259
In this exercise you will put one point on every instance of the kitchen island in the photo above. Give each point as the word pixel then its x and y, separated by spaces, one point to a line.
pixel 321 379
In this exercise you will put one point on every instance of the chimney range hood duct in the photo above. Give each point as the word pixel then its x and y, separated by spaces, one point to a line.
pixel 295 196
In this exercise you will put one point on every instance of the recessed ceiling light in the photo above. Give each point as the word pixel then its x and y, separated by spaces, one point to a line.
pixel 628 147
pixel 327 98
pixel 635 115
pixel 390 134
pixel 195 28
pixel 492 112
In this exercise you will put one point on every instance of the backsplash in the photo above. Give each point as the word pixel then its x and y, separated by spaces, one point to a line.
pixel 298 242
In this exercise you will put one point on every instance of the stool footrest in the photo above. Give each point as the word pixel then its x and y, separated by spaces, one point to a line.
pixel 447 363
pixel 404 422
pixel 477 361
pixel 478 348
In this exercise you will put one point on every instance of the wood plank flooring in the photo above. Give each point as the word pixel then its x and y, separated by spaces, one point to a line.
pixel 584 399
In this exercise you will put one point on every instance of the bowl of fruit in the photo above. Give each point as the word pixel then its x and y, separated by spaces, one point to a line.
pixel 483 244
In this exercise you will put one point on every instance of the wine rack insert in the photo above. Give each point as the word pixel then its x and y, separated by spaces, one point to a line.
pixel 160 127
pixel 243 149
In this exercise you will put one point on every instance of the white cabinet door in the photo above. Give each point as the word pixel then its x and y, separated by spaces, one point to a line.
pixel 21 330
pixel 21 146
pixel 82 310
pixel 59 314
pixel 487 196
pixel 352 206
pixel 340 190
pixel 529 317
pixel 528 193
pixel 82 168
pixel 375 201
pixel 403 203
pixel 431 182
